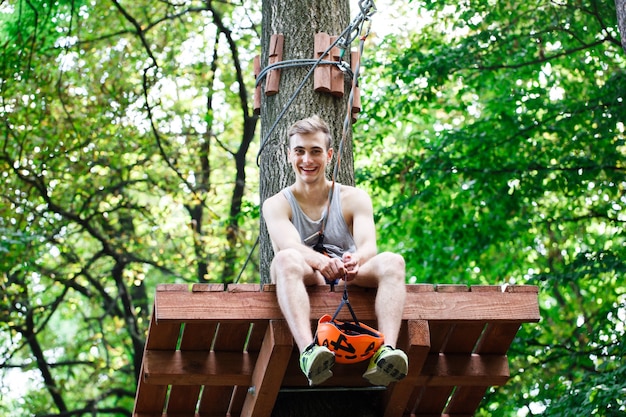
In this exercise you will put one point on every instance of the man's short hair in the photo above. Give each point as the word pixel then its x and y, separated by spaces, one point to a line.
pixel 311 124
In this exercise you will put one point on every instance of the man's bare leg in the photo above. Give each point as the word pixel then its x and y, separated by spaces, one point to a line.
pixel 387 272
pixel 291 275
pixel 288 272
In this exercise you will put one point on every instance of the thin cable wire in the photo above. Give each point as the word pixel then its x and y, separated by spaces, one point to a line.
pixel 293 63
pixel 243 268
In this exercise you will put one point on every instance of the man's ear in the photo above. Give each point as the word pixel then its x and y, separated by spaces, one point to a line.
pixel 330 154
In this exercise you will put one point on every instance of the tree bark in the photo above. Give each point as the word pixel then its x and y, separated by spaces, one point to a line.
pixel 620 7
pixel 298 21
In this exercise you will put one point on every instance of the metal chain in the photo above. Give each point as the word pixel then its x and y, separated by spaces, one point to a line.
pixel 367 9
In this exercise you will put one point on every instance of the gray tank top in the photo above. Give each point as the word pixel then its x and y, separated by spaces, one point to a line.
pixel 337 237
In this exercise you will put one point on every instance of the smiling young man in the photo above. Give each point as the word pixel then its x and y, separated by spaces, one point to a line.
pixel 294 217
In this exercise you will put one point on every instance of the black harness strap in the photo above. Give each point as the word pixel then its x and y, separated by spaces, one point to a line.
pixel 319 247
pixel 345 302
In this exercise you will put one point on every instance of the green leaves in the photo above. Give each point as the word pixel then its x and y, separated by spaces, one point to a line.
pixel 505 167
pixel 491 139
pixel 117 160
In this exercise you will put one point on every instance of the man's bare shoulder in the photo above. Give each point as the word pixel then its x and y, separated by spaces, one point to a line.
pixel 351 193
pixel 276 203
pixel 275 198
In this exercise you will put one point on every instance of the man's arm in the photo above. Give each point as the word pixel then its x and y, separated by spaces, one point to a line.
pixel 276 212
pixel 357 206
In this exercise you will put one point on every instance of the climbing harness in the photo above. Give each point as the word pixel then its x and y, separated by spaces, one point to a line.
pixel 351 342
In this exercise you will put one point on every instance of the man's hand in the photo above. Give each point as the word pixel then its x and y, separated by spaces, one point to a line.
pixel 331 268
pixel 351 265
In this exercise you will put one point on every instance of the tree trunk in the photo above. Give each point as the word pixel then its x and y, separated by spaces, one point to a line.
pixel 298 21
pixel 620 6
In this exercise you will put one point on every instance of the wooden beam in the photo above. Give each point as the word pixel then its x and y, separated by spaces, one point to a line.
pixel 183 400
pixel 458 307
pixel 465 400
pixel 230 368
pixel 198 368
pixel 272 79
pixel 463 369
pixel 149 399
pixel 417 350
pixel 269 370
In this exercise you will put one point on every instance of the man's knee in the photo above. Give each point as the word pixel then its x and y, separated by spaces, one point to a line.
pixel 391 264
pixel 386 267
pixel 393 261
pixel 287 262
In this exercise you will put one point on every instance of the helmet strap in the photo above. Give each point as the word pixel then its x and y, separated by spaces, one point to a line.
pixel 345 302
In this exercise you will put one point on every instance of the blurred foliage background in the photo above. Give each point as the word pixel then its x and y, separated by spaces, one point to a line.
pixel 491 139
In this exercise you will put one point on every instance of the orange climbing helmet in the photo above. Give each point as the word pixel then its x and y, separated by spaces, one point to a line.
pixel 351 342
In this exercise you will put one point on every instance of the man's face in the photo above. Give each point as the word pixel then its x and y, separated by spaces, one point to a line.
pixel 308 156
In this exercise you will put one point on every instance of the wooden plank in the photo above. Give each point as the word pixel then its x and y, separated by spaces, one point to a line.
pixel 398 395
pixel 207 288
pixel 419 288
pixel 257 334
pixel 464 369
pixel 497 338
pixel 230 339
pixel 248 287
pixel 465 400
pixel 439 334
pixel 439 370
pixel 269 370
pixel 183 400
pixel 432 401
pixel 231 336
pixel 198 336
pixel 198 368
pixel 275 55
pixel 451 288
pixel 450 338
pixel 432 306
pixel 463 337
pixel 162 336
pixel 237 400
pixel 321 74
pixel 486 288
pixel 215 401
pixel 150 399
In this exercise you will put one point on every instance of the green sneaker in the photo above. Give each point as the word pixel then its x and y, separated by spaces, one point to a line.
pixel 316 362
pixel 387 365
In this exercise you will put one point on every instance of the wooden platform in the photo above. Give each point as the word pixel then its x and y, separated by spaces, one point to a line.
pixel 211 352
